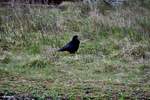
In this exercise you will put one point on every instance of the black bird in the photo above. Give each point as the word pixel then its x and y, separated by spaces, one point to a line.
pixel 72 46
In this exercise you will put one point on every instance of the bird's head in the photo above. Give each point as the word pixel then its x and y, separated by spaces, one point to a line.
pixel 75 37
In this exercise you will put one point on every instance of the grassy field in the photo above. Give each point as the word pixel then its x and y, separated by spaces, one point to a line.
pixel 113 61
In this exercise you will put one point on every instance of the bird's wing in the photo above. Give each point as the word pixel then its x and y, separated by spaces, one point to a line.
pixel 66 47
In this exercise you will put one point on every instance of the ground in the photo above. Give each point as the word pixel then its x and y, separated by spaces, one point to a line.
pixel 113 61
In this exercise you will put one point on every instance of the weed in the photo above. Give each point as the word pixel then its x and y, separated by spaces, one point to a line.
pixel 110 58
pixel 36 64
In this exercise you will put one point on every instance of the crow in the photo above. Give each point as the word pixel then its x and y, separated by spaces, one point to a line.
pixel 72 46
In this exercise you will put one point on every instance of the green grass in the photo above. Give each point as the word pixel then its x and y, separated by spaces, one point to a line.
pixel 109 63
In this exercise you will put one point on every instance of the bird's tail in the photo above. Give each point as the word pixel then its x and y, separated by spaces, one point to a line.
pixel 61 49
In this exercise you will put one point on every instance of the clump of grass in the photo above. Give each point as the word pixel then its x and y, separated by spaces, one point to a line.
pixel 143 3
pixel 108 48
pixel 5 60
pixel 145 24
pixel 34 48
pixel 146 3
pixel 36 64
pixel 132 49
pixel 4 73
pixel 107 38
pixel 144 68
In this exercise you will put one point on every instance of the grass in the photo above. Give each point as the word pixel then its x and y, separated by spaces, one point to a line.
pixel 109 63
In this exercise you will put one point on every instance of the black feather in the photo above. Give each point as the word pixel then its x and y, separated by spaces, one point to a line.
pixel 72 46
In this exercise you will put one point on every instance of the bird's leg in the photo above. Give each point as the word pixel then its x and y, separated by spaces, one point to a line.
pixel 76 56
